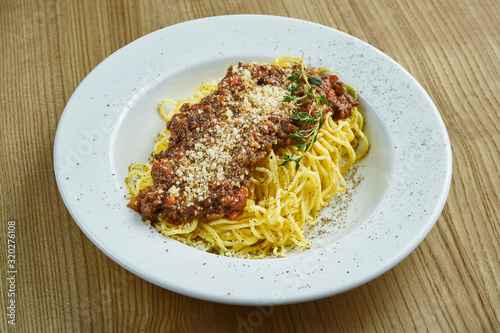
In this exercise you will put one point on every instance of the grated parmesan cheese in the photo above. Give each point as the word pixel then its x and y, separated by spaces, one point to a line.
pixel 211 158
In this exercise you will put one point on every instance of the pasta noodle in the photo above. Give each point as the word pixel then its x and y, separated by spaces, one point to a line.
pixel 282 199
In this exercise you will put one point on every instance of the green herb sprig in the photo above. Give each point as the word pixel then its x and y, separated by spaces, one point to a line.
pixel 306 137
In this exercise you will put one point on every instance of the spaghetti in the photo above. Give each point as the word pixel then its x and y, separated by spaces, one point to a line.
pixel 274 201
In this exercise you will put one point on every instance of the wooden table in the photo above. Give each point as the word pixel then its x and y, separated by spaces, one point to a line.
pixel 450 283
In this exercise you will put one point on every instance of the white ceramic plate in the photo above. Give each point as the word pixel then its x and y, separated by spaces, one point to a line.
pixel 111 121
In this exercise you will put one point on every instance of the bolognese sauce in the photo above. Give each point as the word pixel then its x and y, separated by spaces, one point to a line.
pixel 205 171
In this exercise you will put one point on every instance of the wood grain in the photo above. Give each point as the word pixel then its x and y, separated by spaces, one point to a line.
pixel 450 283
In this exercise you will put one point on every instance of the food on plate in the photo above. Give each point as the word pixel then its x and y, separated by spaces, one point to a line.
pixel 245 163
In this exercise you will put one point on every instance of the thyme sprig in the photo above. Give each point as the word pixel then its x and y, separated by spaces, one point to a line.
pixel 309 125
